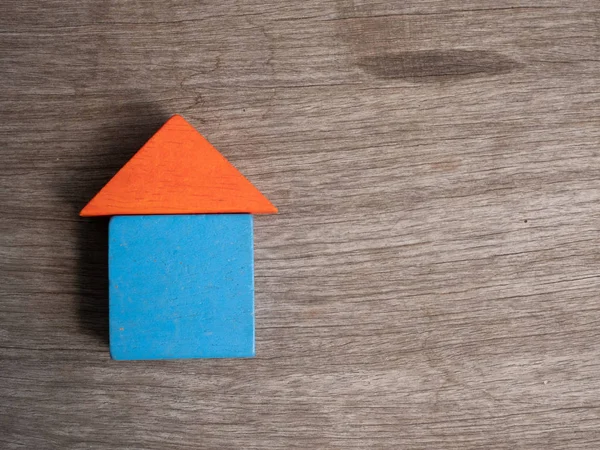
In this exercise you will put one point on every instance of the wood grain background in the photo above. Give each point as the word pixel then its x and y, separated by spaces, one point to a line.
pixel 433 278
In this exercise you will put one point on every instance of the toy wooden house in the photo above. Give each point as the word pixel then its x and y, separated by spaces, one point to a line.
pixel 181 264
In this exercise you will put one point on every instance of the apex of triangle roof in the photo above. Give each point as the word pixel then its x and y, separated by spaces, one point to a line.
pixel 178 172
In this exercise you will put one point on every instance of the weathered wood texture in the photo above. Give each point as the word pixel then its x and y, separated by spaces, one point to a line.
pixel 432 279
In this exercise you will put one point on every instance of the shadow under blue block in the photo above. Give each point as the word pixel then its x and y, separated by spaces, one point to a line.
pixel 181 286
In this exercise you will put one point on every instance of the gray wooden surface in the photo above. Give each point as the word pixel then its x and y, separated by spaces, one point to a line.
pixel 433 278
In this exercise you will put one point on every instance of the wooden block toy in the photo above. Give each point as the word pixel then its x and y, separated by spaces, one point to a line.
pixel 181 286
pixel 181 265
pixel 178 172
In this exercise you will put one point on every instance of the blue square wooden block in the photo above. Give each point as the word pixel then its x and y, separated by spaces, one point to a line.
pixel 181 286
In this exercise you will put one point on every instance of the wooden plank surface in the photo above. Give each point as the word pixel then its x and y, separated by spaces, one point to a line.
pixel 432 279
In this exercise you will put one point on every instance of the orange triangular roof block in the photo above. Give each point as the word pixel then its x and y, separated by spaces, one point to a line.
pixel 178 172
